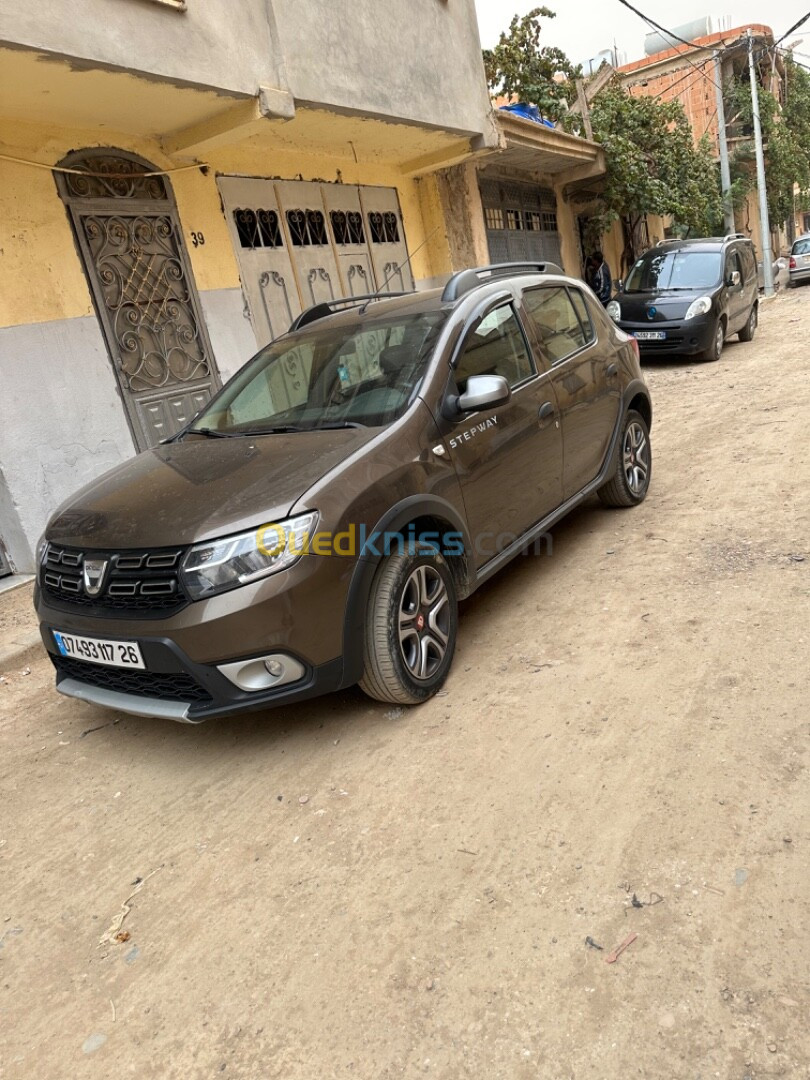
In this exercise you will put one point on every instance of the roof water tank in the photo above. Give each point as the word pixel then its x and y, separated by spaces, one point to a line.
pixel 698 28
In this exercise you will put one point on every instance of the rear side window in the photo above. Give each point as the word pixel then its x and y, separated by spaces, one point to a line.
pixel 578 300
pixel 556 322
pixel 495 347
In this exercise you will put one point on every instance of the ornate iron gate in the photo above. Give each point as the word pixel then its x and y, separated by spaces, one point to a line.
pixel 521 222
pixel 128 231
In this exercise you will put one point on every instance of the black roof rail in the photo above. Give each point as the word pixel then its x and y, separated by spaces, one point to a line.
pixel 320 311
pixel 466 280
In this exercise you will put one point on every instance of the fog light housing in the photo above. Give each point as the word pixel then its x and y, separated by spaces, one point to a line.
pixel 263 672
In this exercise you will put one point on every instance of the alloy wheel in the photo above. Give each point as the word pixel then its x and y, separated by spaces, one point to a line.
pixel 636 458
pixel 424 622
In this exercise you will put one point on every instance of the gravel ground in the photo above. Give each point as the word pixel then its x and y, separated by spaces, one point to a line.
pixel 342 889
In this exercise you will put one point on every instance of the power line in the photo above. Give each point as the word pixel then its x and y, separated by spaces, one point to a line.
pixel 669 34
pixel 795 26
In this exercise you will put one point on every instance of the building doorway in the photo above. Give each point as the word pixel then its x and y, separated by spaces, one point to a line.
pixel 128 233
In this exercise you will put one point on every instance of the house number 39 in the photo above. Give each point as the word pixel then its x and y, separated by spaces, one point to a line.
pixel 197 239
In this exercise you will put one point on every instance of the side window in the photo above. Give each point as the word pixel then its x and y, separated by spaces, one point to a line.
pixel 578 300
pixel 555 322
pixel 495 347
pixel 733 265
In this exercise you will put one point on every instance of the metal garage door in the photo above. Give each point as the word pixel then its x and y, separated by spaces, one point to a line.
pixel 521 222
pixel 299 243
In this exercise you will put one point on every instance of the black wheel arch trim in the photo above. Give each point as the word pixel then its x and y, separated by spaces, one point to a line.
pixel 394 520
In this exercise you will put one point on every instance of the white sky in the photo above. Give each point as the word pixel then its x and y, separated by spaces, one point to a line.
pixel 584 27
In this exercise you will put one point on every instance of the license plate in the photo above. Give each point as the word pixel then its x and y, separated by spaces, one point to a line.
pixel 126 654
pixel 651 335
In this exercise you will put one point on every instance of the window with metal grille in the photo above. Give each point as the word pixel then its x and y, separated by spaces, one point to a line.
pixel 307 228
pixel 514 219
pixel 549 220
pixel 384 228
pixel 258 228
pixel 347 227
pixel 493 218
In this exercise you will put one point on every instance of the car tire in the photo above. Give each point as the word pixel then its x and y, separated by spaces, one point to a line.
pixel 630 481
pixel 714 352
pixel 411 628
pixel 750 328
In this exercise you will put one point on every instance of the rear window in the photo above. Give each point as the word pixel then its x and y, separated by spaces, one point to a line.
pixel 801 247
pixel 658 270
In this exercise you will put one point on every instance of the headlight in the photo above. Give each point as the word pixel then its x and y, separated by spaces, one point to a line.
pixel 218 565
pixel 614 310
pixel 42 550
pixel 699 307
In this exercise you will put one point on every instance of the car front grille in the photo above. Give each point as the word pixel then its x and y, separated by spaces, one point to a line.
pixel 141 584
pixel 175 686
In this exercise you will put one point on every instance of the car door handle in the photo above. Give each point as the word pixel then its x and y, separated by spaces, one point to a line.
pixel 546 410
pixel 611 371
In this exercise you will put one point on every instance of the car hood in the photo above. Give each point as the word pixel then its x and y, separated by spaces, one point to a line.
pixel 667 306
pixel 197 489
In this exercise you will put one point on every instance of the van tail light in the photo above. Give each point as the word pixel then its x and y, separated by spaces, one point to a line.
pixel 792 263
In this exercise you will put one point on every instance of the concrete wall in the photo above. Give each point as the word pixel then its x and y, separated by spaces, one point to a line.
pixel 420 60
pixel 61 422
pixel 228 45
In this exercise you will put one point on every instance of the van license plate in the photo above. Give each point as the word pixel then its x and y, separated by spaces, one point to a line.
pixel 651 335
pixel 126 654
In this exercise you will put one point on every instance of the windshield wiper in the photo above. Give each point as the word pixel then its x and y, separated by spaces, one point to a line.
pixel 336 425
pixel 212 433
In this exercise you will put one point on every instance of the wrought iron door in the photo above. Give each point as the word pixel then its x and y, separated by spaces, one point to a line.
pixel 300 242
pixel 310 244
pixel 259 241
pixel 386 236
pixel 521 222
pixel 129 236
pixel 349 232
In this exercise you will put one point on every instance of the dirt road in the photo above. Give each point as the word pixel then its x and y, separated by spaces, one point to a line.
pixel 347 890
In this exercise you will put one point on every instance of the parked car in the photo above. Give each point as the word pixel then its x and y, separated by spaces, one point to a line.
pixel 688 296
pixel 317 523
pixel 799 264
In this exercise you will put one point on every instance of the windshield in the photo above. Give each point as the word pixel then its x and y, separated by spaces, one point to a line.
pixel 657 271
pixel 360 374
pixel 801 247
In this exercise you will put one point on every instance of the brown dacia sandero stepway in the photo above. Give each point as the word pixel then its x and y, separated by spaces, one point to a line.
pixel 317 523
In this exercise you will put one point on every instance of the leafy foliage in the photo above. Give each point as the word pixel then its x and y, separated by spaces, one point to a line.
pixel 519 67
pixel 786 138
pixel 653 165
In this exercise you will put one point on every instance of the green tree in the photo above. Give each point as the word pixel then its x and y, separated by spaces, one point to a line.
pixel 521 68
pixel 653 166
pixel 786 140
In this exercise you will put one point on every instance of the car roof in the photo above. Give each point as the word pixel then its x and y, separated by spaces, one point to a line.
pixel 397 305
pixel 804 236
pixel 701 243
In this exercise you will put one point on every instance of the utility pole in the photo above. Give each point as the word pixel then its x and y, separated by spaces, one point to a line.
pixel 725 171
pixel 764 223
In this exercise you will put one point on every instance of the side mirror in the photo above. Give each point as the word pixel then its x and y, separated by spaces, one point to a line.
pixel 734 278
pixel 484 392
pixel 619 285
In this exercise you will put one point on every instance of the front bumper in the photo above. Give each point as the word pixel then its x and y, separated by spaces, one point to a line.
pixel 299 612
pixel 684 337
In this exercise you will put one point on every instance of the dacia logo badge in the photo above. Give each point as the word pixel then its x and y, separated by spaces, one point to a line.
pixel 652 312
pixel 95 570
